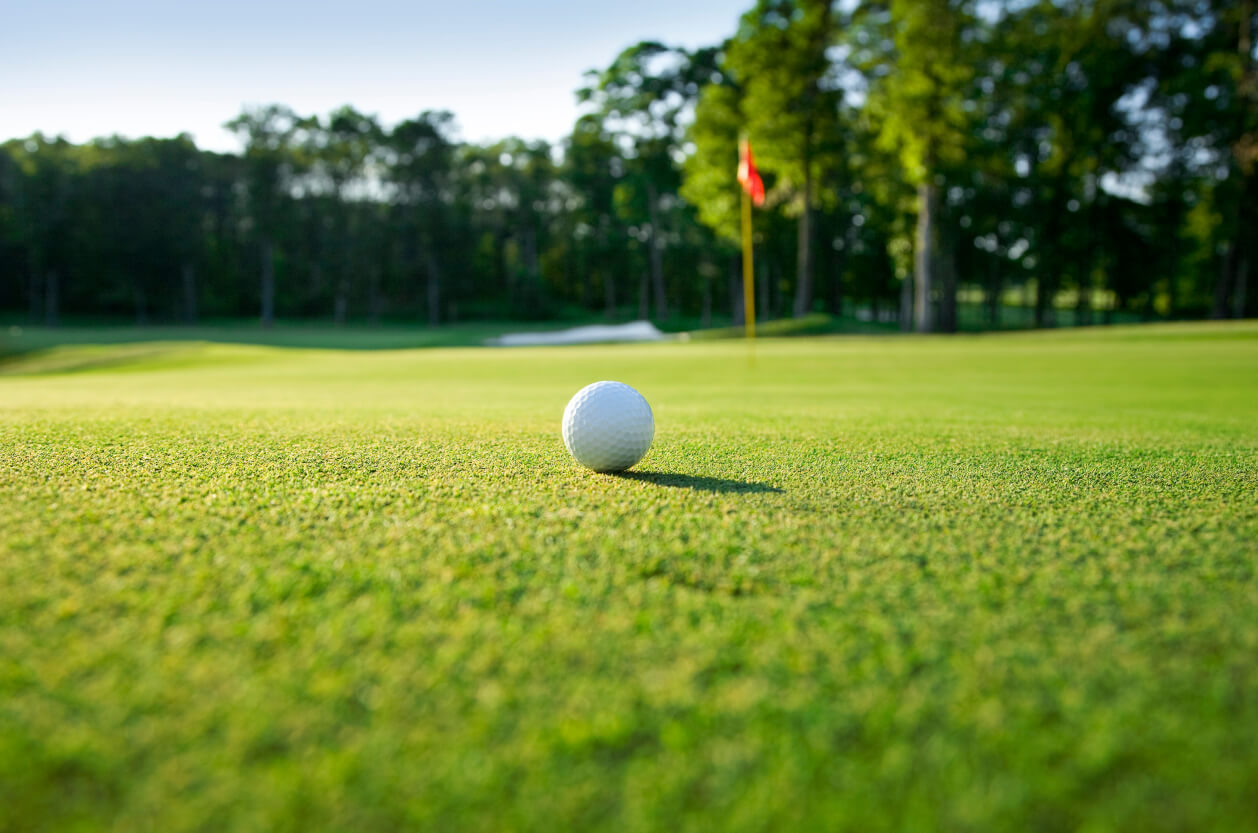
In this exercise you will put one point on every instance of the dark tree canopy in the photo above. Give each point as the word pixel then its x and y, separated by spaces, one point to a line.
pixel 940 164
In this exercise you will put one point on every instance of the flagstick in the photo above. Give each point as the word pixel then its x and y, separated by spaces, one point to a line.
pixel 749 289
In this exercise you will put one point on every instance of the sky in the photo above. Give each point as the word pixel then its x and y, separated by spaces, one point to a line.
pixel 144 68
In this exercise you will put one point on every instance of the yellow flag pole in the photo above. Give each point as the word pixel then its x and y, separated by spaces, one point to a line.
pixel 749 286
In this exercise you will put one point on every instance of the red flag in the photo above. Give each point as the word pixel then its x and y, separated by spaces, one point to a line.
pixel 748 176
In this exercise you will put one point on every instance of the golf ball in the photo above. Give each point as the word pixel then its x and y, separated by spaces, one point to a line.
pixel 608 426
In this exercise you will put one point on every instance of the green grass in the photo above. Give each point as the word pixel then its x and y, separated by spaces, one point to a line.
pixel 816 323
pixel 970 583
pixel 16 339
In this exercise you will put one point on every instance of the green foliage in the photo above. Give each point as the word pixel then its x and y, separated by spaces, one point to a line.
pixel 271 136
pixel 711 181
pixel 922 97
pixel 780 59
pixel 641 102
pixel 996 583
pixel 790 108
pixel 1065 149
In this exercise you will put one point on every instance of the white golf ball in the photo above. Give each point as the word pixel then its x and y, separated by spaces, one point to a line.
pixel 608 426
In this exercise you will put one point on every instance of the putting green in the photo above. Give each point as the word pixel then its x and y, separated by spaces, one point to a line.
pixel 992 583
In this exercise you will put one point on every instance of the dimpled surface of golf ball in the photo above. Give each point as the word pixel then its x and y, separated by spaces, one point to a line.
pixel 608 426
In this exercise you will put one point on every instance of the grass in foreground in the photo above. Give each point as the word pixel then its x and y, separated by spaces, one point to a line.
pixel 997 583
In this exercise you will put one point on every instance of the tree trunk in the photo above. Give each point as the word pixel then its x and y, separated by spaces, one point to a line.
pixel 268 283
pixel 1083 307
pixel 1247 210
pixel 947 282
pixel 187 281
pixel 1088 260
pixel 1223 286
pixel 804 256
pixel 1242 288
pixel 836 279
pixel 35 297
pixel 506 276
pixel 1044 294
pixel 657 252
pixel 589 292
pixel 1175 222
pixel 530 254
pixel 1242 251
pixel 1056 253
pixel 609 295
pixel 433 288
pixel 140 299
pixel 52 298
pixel 577 262
pixel 705 308
pixel 906 304
pixel 340 304
pixel 316 280
pixel 764 287
pixel 373 297
pixel 924 258
pixel 993 294
pixel 529 288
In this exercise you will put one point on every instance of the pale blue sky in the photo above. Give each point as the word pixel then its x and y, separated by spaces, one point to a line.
pixel 140 67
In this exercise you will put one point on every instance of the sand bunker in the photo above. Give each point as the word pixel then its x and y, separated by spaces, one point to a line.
pixel 593 334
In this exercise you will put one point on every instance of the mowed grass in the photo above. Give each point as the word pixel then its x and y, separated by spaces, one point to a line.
pixel 981 583
pixel 16 339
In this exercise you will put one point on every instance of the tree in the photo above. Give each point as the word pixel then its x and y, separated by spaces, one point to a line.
pixel 420 167
pixel 709 173
pixel 643 100
pixel 43 194
pixel 790 108
pixel 1208 88
pixel 592 169
pixel 272 136
pixel 341 151
pixel 1070 67
pixel 939 148
pixel 920 104
pixel 511 183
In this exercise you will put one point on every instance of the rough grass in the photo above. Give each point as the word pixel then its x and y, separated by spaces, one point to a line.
pixel 995 583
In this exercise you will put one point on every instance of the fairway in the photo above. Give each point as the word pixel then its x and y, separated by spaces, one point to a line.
pixel 1002 582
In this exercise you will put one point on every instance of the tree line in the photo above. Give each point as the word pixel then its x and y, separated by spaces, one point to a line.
pixel 931 162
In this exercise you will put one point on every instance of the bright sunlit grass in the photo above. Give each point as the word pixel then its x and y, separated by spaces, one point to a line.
pixel 989 583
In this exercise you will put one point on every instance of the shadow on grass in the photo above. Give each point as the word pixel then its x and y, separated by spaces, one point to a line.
pixel 697 483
